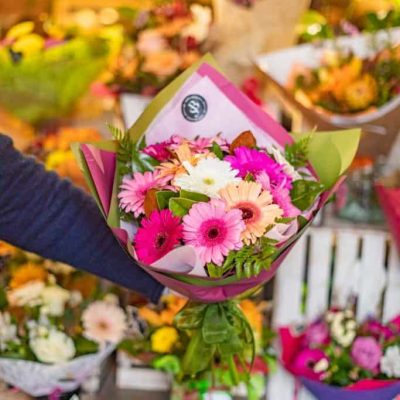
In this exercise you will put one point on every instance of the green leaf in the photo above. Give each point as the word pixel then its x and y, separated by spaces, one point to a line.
pixel 168 363
pixel 214 271
pixel 85 346
pixel 185 194
pixel 142 162
pixel 304 193
pixel 163 197
pixel 216 148
pixel 297 153
pixel 3 299
pixel 180 207
pixel 117 134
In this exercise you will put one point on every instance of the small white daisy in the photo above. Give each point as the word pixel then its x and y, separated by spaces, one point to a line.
pixel 209 176
pixel 390 362
pixel 287 167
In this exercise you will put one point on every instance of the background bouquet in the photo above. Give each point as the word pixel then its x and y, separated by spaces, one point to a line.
pixel 346 82
pixel 56 325
pixel 212 216
pixel 335 357
pixel 154 341
pixel 42 76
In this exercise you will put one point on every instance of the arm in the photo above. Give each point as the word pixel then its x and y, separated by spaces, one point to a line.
pixel 41 213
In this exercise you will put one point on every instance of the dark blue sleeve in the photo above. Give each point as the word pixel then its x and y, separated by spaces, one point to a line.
pixel 44 214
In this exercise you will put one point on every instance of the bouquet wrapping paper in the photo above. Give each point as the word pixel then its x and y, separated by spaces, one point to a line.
pixel 39 379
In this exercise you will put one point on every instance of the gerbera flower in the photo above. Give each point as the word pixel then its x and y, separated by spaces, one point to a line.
pixel 159 151
pixel 258 210
pixel 208 176
pixel 27 273
pixel 157 236
pixel 133 190
pixel 253 161
pixel 280 195
pixel 104 322
pixel 212 230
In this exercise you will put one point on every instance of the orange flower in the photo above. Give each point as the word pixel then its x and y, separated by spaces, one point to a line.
pixel 174 27
pixel 189 58
pixel 258 210
pixel 27 273
pixel 150 316
pixel 361 93
pixel 65 136
pixel 163 64
pixel 6 249
pixel 253 314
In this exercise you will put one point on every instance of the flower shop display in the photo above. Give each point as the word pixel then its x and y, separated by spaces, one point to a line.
pixel 335 357
pixel 154 341
pixel 388 190
pixel 56 325
pixel 43 76
pixel 165 40
pixel 212 216
pixel 346 82
pixel 54 150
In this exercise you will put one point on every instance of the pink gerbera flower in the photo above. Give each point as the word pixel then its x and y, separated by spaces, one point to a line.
pixel 157 236
pixel 280 195
pixel 213 231
pixel 133 190
pixel 253 161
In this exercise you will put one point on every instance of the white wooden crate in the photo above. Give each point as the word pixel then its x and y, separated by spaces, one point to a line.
pixel 339 266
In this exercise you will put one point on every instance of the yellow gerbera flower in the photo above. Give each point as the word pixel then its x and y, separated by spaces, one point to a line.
pixel 164 339
pixel 27 273
pixel 361 93
pixel 258 210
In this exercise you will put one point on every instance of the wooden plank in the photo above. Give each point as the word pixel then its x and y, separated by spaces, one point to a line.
pixel 391 306
pixel 288 287
pixel 372 278
pixel 345 267
pixel 318 272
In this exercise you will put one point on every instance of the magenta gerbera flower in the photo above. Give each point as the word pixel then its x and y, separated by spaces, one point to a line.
pixel 213 231
pixel 159 151
pixel 133 190
pixel 280 195
pixel 157 236
pixel 253 161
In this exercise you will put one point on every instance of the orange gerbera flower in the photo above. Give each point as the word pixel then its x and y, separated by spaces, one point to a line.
pixel 27 273
pixel 6 249
pixel 258 210
pixel 150 316
pixel 253 314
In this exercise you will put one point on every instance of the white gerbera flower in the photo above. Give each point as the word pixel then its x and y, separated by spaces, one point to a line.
pixel 287 167
pixel 390 362
pixel 28 294
pixel 54 299
pixel 54 348
pixel 104 322
pixel 209 176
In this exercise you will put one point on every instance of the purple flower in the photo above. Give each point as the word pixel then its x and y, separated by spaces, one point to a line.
pixel 254 162
pixel 317 334
pixel 305 362
pixel 366 353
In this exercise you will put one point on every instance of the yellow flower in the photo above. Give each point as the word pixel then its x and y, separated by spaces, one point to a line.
pixel 258 210
pixel 29 44
pixel 361 93
pixel 65 136
pixel 27 273
pixel 56 158
pixel 164 339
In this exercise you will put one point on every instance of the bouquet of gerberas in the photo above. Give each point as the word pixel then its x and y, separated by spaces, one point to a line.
pixel 212 216
pixel 42 77
pixel 154 341
pixel 335 357
pixel 56 325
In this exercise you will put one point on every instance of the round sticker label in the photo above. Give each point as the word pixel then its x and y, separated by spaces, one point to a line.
pixel 194 107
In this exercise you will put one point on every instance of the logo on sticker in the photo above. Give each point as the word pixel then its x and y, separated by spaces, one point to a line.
pixel 194 107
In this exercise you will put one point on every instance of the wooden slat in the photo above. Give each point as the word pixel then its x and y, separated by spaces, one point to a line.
pixel 288 287
pixel 372 276
pixel 345 267
pixel 392 296
pixel 318 272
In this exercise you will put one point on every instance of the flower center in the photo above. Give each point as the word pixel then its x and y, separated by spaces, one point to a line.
pixel 103 325
pixel 250 212
pixel 160 240
pixel 208 181
pixel 212 232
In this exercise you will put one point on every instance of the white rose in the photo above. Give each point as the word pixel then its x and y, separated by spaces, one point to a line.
pixel 28 294
pixel 54 348
pixel 390 362
pixel 54 299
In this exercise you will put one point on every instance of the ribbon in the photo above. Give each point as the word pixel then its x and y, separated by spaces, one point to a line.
pixel 218 331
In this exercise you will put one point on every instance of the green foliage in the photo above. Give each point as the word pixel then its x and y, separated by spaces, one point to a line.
pixel 297 153
pixel 85 346
pixel 304 193
pixel 193 196
pixel 163 197
pixel 3 299
pixel 250 260
pixel 179 206
pixel 216 148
